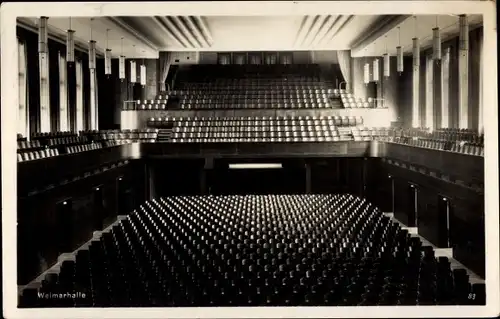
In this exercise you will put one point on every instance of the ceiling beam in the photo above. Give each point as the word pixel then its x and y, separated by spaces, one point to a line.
pixel 333 30
pixel 133 33
pixel 175 30
pixel 304 28
pixel 379 29
pixel 330 21
pixel 167 31
pixel 196 32
pixel 313 32
pixel 187 33
pixel 204 29
pixel 339 26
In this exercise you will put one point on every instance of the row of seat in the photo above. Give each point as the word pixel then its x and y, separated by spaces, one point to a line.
pixel 38 144
pixel 249 138
pixel 34 155
pixel 249 80
pixel 262 120
pixel 254 95
pixel 438 144
pixel 254 105
pixel 66 140
pixel 350 101
pixel 135 134
pixel 57 134
pixel 28 145
pixel 448 134
pixel 82 148
pixel 257 250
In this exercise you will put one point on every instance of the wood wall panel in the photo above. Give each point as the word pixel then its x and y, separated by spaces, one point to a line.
pixel 467 214
pixel 41 230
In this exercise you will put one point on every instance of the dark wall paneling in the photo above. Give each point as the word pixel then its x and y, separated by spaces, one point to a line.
pixel 208 58
pixel 401 200
pixel 176 177
pixel 454 80
pixel 42 222
pixel 355 181
pixel 378 185
pixel 54 85
pixel 405 92
pixel 337 175
pixel 437 75
pixel 301 57
pixel 116 101
pixel 71 77
pixel 325 176
pixel 106 94
pixel 86 92
pixel 466 219
pixel 474 74
pixel 468 232
pixel 422 89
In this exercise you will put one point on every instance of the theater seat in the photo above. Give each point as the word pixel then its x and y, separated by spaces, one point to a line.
pixel 258 250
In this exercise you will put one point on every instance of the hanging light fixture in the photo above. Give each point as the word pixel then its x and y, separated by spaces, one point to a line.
pixel 366 71
pixel 121 64
pixel 42 35
pixel 70 44
pixel 107 56
pixel 436 42
pixel 416 47
pixel 387 61
pixel 464 32
pixel 133 70
pixel 143 73
pixel 376 70
pixel 92 53
pixel 399 54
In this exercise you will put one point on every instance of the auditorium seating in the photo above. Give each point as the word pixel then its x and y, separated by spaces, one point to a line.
pixel 245 87
pixel 369 134
pixel 463 141
pixel 257 250
pixel 122 136
pixel 258 128
pixel 43 145
pixel 350 101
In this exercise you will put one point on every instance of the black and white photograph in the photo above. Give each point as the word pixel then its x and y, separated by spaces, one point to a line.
pixel 250 159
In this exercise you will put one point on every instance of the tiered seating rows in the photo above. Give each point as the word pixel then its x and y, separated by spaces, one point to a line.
pixel 350 101
pixel 257 250
pixel 453 140
pixel 45 145
pixel 258 129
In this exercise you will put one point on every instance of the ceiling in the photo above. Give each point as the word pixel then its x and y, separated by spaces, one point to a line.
pixel 145 36
pixel 412 26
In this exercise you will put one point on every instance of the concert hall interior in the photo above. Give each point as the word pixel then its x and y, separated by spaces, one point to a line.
pixel 197 161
